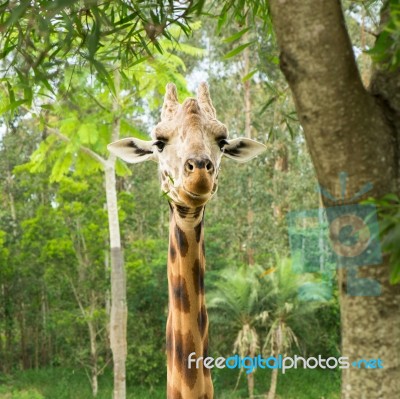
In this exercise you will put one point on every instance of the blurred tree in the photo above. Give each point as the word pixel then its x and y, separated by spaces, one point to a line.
pixel 77 139
pixel 237 302
pixel 292 302
pixel 249 301
pixel 348 128
pixel 352 129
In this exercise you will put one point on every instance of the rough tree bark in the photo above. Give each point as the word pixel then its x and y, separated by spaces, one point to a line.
pixel 351 129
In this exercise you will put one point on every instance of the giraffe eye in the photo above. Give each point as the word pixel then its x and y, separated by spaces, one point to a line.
pixel 222 143
pixel 160 145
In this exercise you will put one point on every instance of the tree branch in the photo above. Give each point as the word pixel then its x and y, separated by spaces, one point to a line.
pixel 82 309
pixel 84 149
pixel 343 124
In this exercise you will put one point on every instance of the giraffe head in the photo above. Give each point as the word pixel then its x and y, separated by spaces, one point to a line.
pixel 188 145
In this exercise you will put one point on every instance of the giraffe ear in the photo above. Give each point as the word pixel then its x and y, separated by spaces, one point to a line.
pixel 132 150
pixel 243 149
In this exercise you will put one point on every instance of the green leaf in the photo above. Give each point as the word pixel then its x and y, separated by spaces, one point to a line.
pixel 126 19
pixel 290 130
pixel 94 38
pixel 86 165
pixel 7 50
pixel 88 133
pixel 237 50
pixel 47 106
pixel 122 169
pixel 236 36
pixel 249 75
pixel 104 75
pixel 12 106
pixel 69 126
pixel 223 16
pixel 392 197
pixel 61 167
pixel 28 94
pixel 10 92
pixel 127 129
pixel 267 104
pixel 17 13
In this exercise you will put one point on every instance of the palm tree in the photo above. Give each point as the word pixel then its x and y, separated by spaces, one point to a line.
pixel 292 300
pixel 237 302
pixel 278 301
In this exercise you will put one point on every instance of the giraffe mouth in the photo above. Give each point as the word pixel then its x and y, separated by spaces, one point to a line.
pixel 194 195
pixel 189 198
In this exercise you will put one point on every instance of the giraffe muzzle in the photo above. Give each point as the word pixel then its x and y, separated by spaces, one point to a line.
pixel 198 176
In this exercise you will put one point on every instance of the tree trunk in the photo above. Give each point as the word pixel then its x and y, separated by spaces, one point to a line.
pixel 44 350
pixel 281 165
pixel 36 350
pixel 88 317
pixel 8 329
pixel 274 381
pixel 2 353
pixel 276 350
pixel 22 329
pixel 250 376
pixel 247 130
pixel 347 129
pixel 107 304
pixel 119 312
pixel 250 384
pixel 93 354
pixel 118 290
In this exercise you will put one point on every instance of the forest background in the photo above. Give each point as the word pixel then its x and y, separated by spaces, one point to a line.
pixel 60 107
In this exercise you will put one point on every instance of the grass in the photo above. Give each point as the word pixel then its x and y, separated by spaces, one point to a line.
pixel 73 384
pixel 294 384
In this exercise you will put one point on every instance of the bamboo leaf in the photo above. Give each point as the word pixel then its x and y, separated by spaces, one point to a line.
pixel 249 75
pixel 103 74
pixel 236 36
pixel 267 104
pixel 17 13
pixel 237 50
pixel 290 130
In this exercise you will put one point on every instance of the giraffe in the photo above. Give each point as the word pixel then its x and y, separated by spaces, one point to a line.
pixel 188 145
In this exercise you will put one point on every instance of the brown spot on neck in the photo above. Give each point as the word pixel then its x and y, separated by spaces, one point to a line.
pixel 198 277
pixel 184 346
pixel 183 211
pixel 181 241
pixel 206 371
pixel 198 230
pixel 179 289
pixel 172 252
pixel 186 214
pixel 173 393
pixel 202 320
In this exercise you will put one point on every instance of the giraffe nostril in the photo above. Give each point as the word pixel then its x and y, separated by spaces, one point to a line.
pixel 209 166
pixel 189 166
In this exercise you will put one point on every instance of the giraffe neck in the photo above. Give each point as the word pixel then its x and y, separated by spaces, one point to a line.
pixel 187 325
